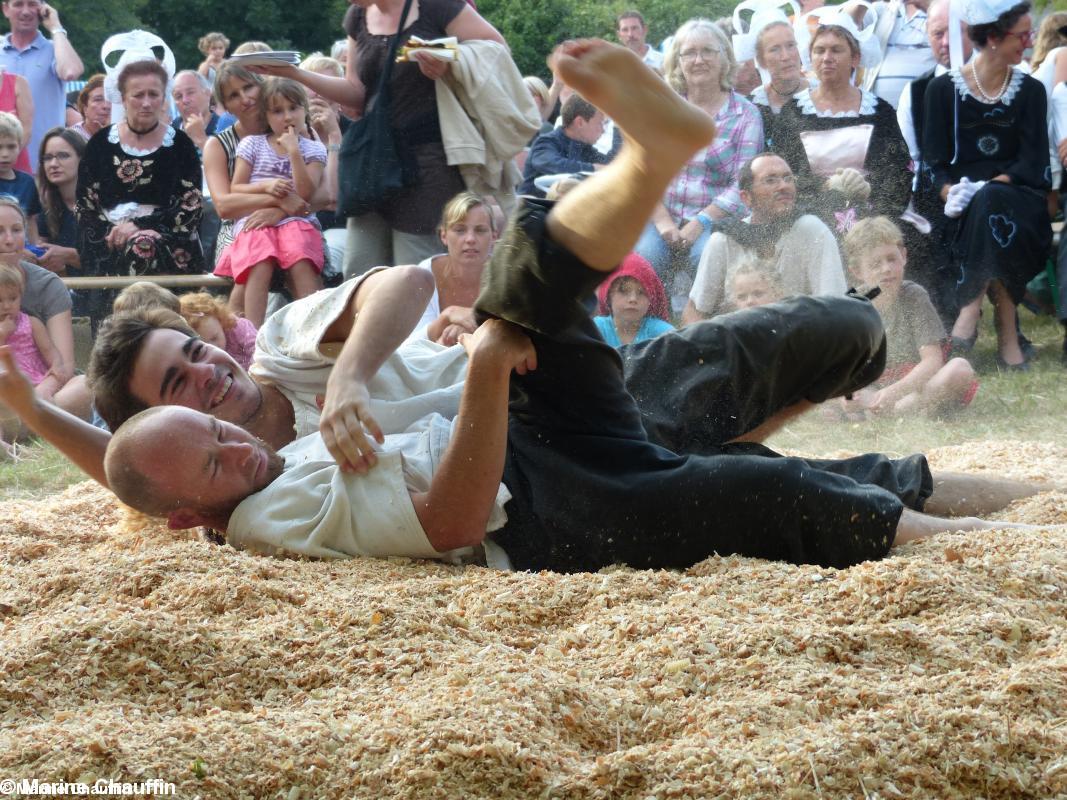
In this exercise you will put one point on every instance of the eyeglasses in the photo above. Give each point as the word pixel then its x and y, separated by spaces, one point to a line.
pixel 50 157
pixel 772 181
pixel 1026 38
pixel 706 53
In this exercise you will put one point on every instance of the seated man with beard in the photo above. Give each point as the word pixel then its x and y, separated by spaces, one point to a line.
pixel 562 476
pixel 801 249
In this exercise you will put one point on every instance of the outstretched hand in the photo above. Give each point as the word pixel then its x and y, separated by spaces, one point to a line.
pixel 345 423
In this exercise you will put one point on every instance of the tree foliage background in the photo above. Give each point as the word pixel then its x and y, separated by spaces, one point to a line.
pixel 531 27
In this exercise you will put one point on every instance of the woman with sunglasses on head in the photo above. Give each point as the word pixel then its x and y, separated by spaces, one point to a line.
pixel 985 145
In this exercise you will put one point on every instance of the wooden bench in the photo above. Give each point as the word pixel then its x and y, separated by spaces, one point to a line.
pixel 170 281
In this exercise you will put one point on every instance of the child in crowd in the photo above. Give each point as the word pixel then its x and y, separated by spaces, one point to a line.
pixel 144 295
pixel 213 322
pixel 213 45
pixel 19 185
pixel 277 163
pixel 754 284
pixel 26 335
pixel 633 304
pixel 916 375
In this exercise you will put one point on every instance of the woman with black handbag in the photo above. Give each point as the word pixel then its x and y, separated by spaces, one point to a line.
pixel 398 225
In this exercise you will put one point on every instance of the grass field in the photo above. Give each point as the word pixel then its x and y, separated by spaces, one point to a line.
pixel 1028 406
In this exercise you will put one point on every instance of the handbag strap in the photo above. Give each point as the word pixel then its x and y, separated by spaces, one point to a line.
pixel 387 71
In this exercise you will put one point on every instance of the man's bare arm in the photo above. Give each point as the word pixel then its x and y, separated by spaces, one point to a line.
pixel 455 510
pixel 79 441
pixel 379 318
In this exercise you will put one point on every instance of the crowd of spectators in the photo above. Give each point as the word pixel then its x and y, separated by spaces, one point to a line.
pixel 829 120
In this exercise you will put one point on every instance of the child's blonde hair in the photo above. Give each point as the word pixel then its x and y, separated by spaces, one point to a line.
pixel 868 234
pixel 10 127
pixel 145 295
pixel 209 39
pixel 12 276
pixel 757 268
pixel 197 305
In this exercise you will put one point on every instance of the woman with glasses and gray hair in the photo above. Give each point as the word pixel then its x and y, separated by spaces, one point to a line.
pixel 699 64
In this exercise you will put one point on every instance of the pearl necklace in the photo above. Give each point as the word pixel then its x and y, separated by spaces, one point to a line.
pixel 985 95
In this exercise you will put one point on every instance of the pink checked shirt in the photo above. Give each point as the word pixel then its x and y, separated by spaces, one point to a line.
pixel 711 174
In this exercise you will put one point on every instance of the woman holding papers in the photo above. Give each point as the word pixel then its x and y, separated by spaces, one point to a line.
pixel 402 230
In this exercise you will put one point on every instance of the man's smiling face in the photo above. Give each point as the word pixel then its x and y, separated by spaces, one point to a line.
pixel 176 369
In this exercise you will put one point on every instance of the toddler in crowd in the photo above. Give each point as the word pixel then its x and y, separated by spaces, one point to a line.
pixel 632 304
pixel 753 284
pixel 277 163
pixel 213 46
pixel 213 322
pixel 13 181
pixel 916 375
pixel 28 339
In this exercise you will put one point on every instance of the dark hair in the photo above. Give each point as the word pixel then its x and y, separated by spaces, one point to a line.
pixel 147 66
pixel 576 106
pixel 998 28
pixel 836 30
pixel 631 14
pixel 91 85
pixel 51 199
pixel 115 352
pixel 746 177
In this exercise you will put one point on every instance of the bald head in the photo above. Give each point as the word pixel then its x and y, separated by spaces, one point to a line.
pixel 188 466
pixel 937 32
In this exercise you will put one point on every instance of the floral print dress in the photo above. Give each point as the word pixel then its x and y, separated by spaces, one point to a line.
pixel 158 190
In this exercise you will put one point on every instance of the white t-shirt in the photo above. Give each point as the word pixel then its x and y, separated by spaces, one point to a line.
pixel 653 57
pixel 419 379
pixel 806 259
pixel 433 308
pixel 314 509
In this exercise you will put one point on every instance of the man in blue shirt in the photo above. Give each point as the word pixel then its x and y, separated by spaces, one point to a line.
pixel 567 149
pixel 192 96
pixel 44 64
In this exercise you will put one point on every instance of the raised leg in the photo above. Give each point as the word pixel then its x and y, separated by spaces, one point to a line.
pixel 600 220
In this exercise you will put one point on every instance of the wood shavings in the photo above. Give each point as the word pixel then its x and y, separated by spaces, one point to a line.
pixel 129 652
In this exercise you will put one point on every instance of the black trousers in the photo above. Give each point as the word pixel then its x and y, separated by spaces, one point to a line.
pixel 589 488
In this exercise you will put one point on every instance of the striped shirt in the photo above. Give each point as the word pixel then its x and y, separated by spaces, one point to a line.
pixel 710 176
pixel 907 54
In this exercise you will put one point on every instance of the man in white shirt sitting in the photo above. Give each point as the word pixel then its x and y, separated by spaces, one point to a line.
pixel 547 465
pixel 801 249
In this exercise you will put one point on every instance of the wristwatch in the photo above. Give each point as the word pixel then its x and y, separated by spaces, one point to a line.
pixel 59 30
pixel 333 148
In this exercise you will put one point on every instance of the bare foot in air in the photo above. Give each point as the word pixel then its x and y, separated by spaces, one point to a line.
pixel 649 113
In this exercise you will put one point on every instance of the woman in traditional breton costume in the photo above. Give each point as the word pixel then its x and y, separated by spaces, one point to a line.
pixel 985 151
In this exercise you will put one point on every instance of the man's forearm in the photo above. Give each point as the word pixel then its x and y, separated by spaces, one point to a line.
pixel 69 65
pixel 82 443
pixel 455 511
